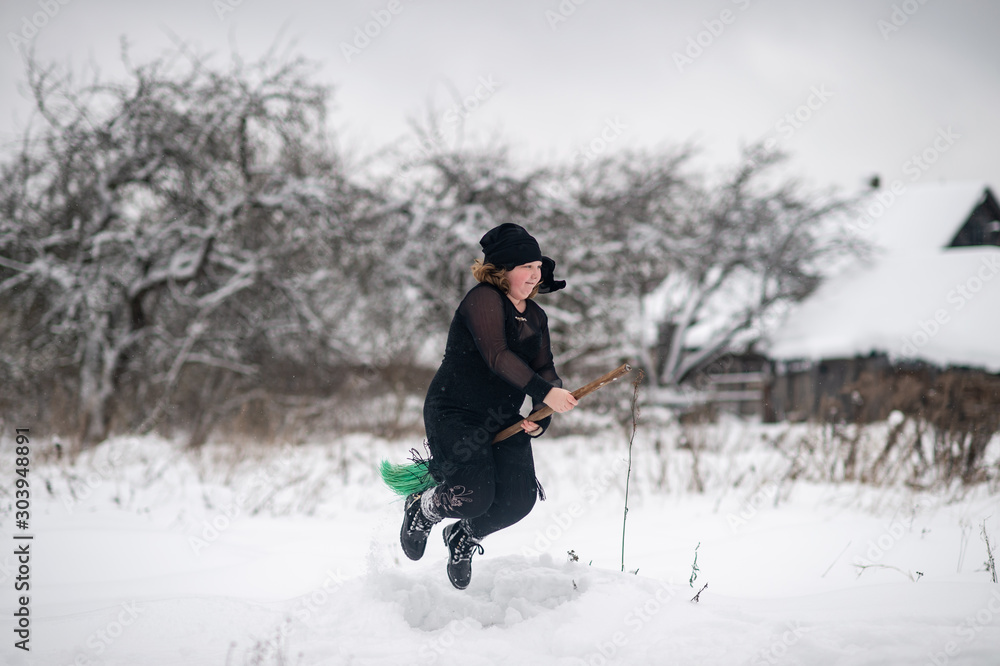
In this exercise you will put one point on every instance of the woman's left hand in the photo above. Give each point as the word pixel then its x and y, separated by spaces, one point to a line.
pixel 529 426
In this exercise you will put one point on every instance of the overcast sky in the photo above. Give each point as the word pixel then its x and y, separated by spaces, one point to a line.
pixel 849 88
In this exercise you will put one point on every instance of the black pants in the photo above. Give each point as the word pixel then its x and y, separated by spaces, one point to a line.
pixel 491 485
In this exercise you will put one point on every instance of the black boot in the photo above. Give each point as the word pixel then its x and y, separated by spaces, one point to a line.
pixel 416 527
pixel 461 545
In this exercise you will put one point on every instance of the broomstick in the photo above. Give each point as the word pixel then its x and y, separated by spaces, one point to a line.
pixel 415 478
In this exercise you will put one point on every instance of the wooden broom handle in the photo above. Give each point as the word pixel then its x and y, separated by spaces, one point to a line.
pixel 545 411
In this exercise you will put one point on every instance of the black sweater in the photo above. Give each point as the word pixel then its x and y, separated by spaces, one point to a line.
pixel 494 356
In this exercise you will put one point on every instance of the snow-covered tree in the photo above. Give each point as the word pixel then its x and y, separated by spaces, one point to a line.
pixel 660 254
pixel 185 216
pixel 613 225
pixel 752 244
pixel 450 197
pixel 192 226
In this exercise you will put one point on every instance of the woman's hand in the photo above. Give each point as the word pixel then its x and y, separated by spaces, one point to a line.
pixel 560 400
pixel 529 426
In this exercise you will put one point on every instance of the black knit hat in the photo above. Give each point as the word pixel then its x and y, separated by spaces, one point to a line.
pixel 510 245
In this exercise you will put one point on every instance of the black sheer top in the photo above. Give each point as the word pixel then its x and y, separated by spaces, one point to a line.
pixel 494 356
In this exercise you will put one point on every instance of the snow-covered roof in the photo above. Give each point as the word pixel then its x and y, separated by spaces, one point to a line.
pixel 915 298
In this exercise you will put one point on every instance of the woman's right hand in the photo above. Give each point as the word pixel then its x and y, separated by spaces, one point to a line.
pixel 560 400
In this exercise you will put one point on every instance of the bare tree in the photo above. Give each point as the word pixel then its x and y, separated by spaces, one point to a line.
pixel 757 244
pixel 615 225
pixel 183 216
pixel 657 248
pixel 450 197
pixel 193 225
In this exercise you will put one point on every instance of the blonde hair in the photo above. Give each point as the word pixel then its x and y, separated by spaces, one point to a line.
pixel 495 276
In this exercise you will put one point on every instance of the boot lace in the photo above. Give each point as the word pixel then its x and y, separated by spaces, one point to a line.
pixel 419 522
pixel 464 546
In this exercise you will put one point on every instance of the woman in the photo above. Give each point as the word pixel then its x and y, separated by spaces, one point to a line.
pixel 497 352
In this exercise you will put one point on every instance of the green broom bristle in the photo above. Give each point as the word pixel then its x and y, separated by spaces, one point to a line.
pixel 406 479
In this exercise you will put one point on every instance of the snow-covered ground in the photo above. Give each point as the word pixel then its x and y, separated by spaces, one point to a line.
pixel 145 555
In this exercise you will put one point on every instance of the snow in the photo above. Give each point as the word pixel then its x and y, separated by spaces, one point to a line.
pixel 914 299
pixel 245 554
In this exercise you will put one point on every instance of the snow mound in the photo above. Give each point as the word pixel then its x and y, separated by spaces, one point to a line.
pixel 518 609
pixel 504 591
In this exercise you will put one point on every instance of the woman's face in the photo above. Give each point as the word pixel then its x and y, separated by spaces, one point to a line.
pixel 523 279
